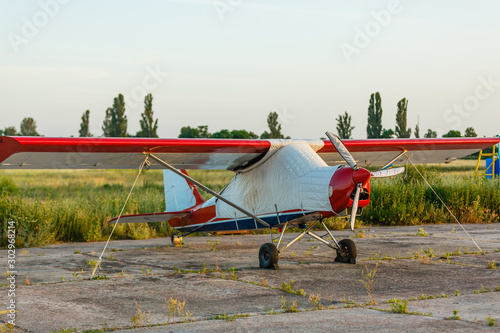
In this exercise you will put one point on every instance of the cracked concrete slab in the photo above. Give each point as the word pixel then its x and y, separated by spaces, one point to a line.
pixel 220 275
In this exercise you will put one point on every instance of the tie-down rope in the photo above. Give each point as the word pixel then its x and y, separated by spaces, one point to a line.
pixel 98 265
pixel 437 195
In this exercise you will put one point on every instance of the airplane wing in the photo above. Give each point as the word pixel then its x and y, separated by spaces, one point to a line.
pixel 128 153
pixel 420 151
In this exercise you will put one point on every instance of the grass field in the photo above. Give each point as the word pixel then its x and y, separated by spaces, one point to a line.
pixel 62 205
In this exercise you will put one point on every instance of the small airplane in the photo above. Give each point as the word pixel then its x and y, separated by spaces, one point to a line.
pixel 277 182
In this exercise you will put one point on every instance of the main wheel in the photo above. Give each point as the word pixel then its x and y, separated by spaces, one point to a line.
pixel 347 252
pixel 268 255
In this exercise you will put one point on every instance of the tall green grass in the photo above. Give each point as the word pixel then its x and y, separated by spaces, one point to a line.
pixel 407 199
pixel 57 206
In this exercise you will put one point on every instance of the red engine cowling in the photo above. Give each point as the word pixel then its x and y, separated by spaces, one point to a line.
pixel 343 186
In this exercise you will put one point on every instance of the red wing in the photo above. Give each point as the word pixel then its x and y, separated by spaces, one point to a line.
pixel 126 153
pixel 420 151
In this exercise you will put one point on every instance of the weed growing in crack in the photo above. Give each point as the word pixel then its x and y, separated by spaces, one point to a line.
pixel 316 302
pixel 421 233
pixel 359 234
pixel 288 288
pixel 482 290
pixel 455 316
pixel 229 318
pixel 288 306
pixel 368 281
pixel 174 306
pixel 491 321
pixel 399 306
pixel 140 316
pixel 146 271
pixel 233 275
pixel 92 264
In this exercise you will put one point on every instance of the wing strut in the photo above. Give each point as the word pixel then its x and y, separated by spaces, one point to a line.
pixel 206 189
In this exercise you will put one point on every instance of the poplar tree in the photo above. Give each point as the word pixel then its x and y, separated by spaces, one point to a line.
pixel 344 128
pixel 84 126
pixel 417 129
pixel 149 126
pixel 401 120
pixel 374 127
pixel 115 122
pixel 106 124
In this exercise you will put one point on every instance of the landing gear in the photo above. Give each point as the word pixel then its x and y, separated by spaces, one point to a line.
pixel 269 253
pixel 347 252
pixel 268 256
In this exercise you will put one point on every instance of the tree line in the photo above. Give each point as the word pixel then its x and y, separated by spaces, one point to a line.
pixel 115 124
pixel 375 130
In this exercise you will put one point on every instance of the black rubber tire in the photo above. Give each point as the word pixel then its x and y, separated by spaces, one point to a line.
pixel 348 252
pixel 268 255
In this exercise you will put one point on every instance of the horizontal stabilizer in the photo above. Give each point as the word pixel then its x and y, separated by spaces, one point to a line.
pixel 154 217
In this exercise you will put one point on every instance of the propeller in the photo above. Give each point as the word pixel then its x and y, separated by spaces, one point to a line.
pixel 342 149
pixel 355 203
pixel 387 172
pixel 360 175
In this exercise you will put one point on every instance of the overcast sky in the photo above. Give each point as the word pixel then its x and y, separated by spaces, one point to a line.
pixel 228 63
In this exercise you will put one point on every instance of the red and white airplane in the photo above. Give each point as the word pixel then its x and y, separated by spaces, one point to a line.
pixel 276 182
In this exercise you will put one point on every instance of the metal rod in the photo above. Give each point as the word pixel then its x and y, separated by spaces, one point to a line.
pixel 392 161
pixel 293 241
pixel 277 214
pixel 281 236
pixel 206 189
pixel 313 235
pixel 331 236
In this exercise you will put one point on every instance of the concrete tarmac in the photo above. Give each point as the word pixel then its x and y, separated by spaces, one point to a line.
pixel 219 281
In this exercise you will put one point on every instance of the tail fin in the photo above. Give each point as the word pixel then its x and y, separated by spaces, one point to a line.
pixel 179 193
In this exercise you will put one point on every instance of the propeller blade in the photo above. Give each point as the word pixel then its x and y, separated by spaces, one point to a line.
pixel 355 203
pixel 341 148
pixel 387 172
